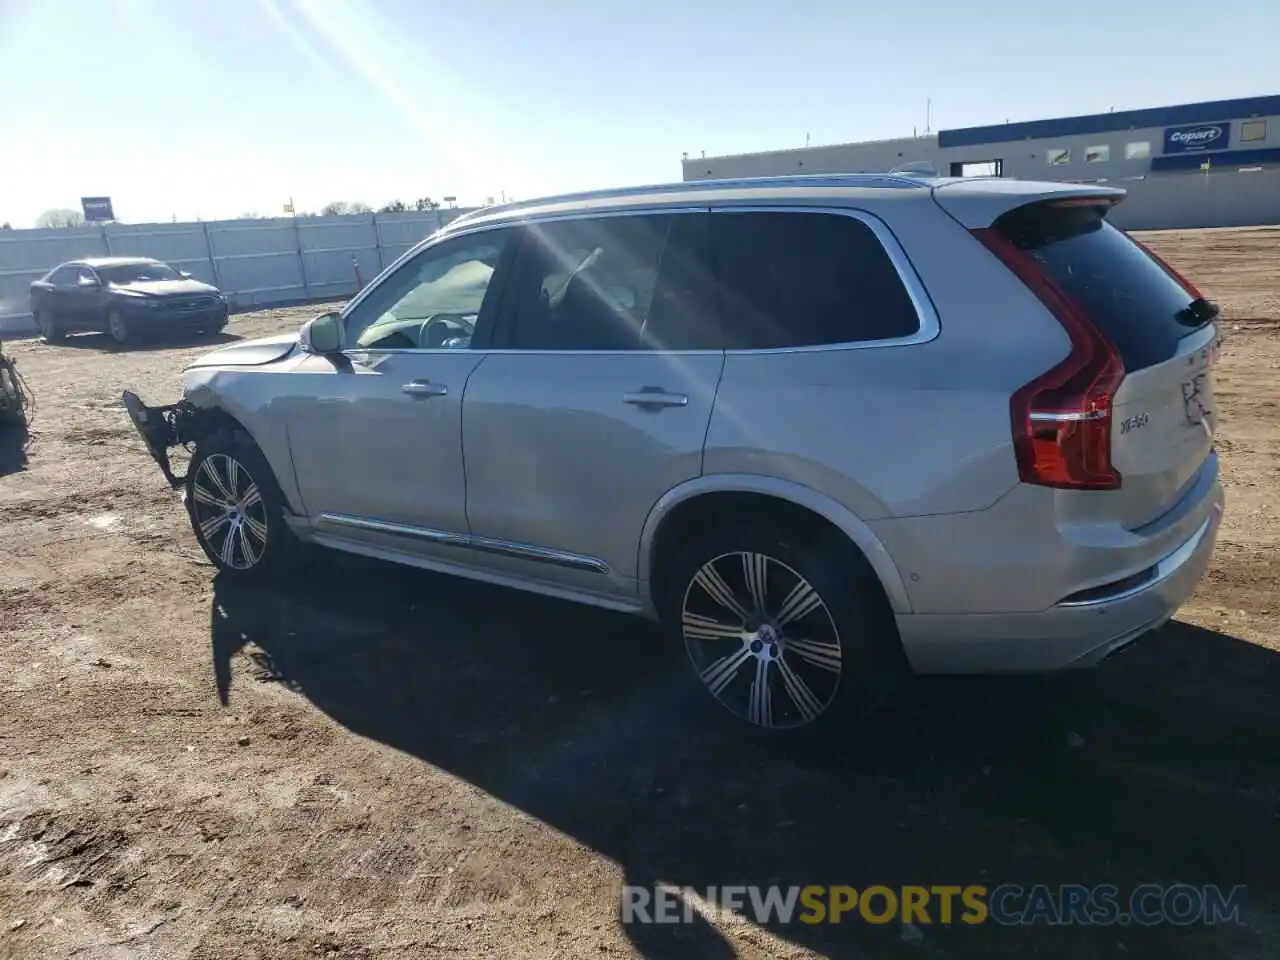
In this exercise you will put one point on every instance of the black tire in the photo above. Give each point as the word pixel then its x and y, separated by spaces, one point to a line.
pixel 118 328
pixel 47 326
pixel 812 686
pixel 245 535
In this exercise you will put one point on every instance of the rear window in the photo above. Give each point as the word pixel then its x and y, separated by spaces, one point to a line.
pixel 1132 299
pixel 804 279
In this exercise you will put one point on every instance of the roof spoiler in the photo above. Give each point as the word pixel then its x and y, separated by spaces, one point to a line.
pixel 978 202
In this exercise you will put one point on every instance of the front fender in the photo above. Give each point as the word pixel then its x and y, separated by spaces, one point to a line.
pixel 242 396
pixel 843 518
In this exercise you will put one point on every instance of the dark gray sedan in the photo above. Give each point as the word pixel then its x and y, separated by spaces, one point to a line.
pixel 127 297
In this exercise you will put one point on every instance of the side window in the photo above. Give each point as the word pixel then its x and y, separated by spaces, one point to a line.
pixel 83 275
pixel 639 282
pixel 64 276
pixel 806 279
pixel 433 301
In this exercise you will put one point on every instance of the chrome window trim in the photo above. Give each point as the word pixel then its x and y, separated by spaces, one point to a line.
pixel 523 551
pixel 930 325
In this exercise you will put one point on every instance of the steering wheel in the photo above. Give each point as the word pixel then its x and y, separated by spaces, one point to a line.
pixel 439 328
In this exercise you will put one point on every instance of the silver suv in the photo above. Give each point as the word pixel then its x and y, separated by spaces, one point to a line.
pixel 823 427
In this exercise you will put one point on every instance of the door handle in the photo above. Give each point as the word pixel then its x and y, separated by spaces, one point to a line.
pixel 424 388
pixel 655 397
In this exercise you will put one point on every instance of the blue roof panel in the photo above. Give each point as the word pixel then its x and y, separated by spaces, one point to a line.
pixel 1186 113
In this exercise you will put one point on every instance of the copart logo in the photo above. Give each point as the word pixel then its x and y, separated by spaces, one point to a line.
pixel 1197 136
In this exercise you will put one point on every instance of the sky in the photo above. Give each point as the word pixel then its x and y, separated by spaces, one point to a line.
pixel 216 108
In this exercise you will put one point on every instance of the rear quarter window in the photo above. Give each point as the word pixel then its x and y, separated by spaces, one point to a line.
pixel 1133 300
pixel 796 279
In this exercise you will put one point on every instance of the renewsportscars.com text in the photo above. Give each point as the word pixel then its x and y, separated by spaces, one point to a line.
pixel 1006 904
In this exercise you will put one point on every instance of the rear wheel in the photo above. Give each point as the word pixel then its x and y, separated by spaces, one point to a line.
pixel 118 327
pixel 237 510
pixel 784 633
pixel 47 326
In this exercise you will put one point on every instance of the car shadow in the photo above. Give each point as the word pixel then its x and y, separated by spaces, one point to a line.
pixel 1153 768
pixel 15 435
pixel 103 342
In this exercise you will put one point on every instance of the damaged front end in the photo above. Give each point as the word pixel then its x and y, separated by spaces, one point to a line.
pixel 163 428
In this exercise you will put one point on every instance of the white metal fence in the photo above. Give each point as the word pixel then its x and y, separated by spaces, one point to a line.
pixel 254 262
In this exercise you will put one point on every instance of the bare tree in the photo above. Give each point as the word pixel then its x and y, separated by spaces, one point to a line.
pixel 60 217
pixel 395 206
pixel 340 208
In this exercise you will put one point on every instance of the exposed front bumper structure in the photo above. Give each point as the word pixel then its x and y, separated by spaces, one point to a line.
pixel 162 428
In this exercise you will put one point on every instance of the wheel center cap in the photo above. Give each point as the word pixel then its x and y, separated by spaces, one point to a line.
pixel 765 643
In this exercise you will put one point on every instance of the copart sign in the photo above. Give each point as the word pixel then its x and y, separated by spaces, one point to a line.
pixel 1203 136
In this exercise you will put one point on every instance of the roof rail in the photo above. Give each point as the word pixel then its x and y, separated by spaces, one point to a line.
pixel 882 180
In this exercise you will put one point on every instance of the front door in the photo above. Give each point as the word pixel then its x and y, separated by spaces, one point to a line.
pixel 376 436
pixel 595 399
pixel 79 300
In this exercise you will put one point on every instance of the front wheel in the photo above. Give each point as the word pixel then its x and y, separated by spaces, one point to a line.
pixel 237 510
pixel 785 633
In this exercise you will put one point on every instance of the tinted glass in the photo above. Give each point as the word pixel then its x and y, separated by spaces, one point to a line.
pixel 432 302
pixel 804 279
pixel 616 283
pixel 138 273
pixel 1132 299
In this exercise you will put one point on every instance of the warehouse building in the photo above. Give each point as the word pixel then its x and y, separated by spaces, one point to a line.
pixel 1230 149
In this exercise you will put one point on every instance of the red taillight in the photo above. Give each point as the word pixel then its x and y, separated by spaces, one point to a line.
pixel 1062 419
pixel 1182 281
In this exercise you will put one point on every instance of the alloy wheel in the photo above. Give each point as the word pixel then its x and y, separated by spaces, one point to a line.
pixel 762 640
pixel 229 512
pixel 119 330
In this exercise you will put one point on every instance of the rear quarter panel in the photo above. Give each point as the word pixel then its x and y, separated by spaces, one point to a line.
pixel 897 430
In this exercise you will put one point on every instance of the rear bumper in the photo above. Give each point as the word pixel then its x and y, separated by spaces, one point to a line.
pixel 1067 635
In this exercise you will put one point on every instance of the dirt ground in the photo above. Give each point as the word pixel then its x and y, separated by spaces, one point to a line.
pixel 374 762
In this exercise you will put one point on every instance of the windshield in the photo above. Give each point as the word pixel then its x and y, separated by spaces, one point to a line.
pixel 138 273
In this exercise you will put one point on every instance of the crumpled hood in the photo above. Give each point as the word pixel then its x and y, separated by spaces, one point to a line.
pixel 250 353
pixel 164 288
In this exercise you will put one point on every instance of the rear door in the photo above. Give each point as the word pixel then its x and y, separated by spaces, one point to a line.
pixel 1164 412
pixel 59 298
pixel 595 401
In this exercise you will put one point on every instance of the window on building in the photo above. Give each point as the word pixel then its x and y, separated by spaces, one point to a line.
pixel 1252 130
pixel 1058 156
pixel 1099 154
pixel 978 168
pixel 1138 150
